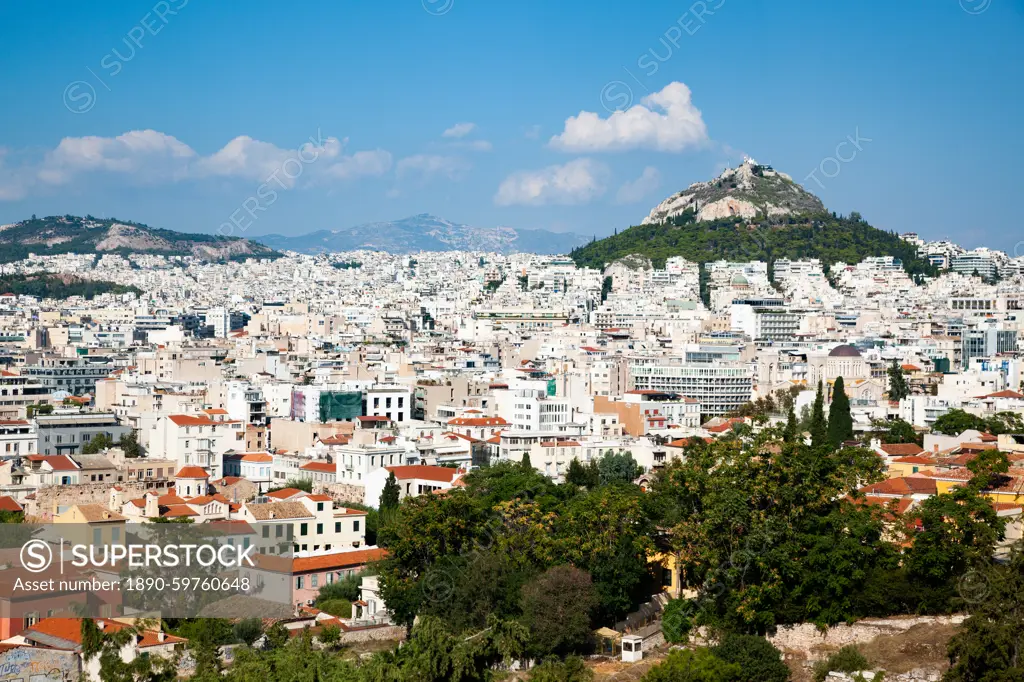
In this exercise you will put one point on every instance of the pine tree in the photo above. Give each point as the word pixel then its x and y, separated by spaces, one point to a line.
pixel 389 496
pixel 898 389
pixel 840 423
pixel 819 425
pixel 577 473
pixel 526 461
pixel 792 432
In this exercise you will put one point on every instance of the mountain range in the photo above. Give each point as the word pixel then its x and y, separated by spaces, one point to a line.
pixel 425 232
pixel 55 235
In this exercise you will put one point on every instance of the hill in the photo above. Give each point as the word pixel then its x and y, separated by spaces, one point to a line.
pixel 425 232
pixel 746 191
pixel 45 285
pixel 795 226
pixel 72 234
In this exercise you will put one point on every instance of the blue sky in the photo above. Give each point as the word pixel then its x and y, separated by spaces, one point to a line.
pixel 179 113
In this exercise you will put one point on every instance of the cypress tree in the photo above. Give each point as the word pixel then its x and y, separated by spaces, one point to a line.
pixel 792 431
pixel 898 388
pixel 526 461
pixel 840 423
pixel 819 425
pixel 389 496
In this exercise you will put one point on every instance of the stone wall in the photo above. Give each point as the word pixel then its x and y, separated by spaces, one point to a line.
pixel 341 492
pixel 49 498
pixel 807 637
pixel 384 633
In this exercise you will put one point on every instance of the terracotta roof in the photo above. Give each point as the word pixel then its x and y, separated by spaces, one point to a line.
pixel 366 418
pixel 9 504
pixel 286 493
pixel 192 420
pixel 60 462
pixel 179 510
pixel 1005 394
pixel 477 421
pixel 324 467
pixel 914 459
pixel 907 485
pixel 336 561
pixel 192 472
pixel 70 630
pixel 250 457
pixel 97 513
pixel 901 449
pixel 336 439
pixel 425 472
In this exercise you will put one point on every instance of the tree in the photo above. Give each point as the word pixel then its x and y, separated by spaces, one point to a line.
pixel 107 645
pixel 129 443
pixel 847 660
pixel 693 666
pixel 990 643
pixel 248 630
pixel 677 620
pixel 572 669
pixel 757 658
pixel 98 443
pixel 576 473
pixel 389 497
pixel 895 431
pixel 898 388
pixel 277 636
pixel 819 426
pixel 618 468
pixel 330 635
pixel 957 531
pixel 556 608
pixel 525 462
pixel 840 423
pixel 606 288
pixel 792 430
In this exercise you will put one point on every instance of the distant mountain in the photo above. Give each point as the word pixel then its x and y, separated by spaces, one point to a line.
pixel 72 234
pixel 749 213
pixel 746 191
pixel 425 232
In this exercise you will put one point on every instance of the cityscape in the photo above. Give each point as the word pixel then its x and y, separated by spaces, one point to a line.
pixel 715 425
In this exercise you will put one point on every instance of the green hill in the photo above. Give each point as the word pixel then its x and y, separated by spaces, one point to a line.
pixel 54 235
pixel 752 212
pixel 826 237
pixel 46 285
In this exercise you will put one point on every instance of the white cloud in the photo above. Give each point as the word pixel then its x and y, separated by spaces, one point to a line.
pixel 474 145
pixel 151 157
pixel 576 182
pixel 664 121
pixel 361 164
pixel 426 166
pixel 459 130
pixel 635 190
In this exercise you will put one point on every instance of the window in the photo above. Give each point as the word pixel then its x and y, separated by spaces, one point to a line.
pixel 337 526
pixel 266 531
pixel 319 529
pixel 314 580
pixel 277 531
pixel 115 534
pixel 319 506
pixel 304 529
pixel 355 526
pixel 299 583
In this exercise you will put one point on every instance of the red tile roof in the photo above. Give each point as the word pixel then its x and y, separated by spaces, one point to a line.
pixel 192 472
pixel 9 504
pixel 323 467
pixel 901 449
pixel 424 472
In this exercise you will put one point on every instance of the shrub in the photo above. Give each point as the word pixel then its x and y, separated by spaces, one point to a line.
pixel 759 660
pixel 846 660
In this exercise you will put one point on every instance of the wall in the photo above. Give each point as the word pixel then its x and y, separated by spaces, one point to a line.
pixel 387 633
pixel 341 492
pixel 48 498
pixel 23 664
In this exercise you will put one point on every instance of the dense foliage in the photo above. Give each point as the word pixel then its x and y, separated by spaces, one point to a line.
pixel 955 422
pixel 53 286
pixel 827 237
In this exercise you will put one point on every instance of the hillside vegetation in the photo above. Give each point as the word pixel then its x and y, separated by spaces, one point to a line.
pixel 53 286
pixel 825 236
